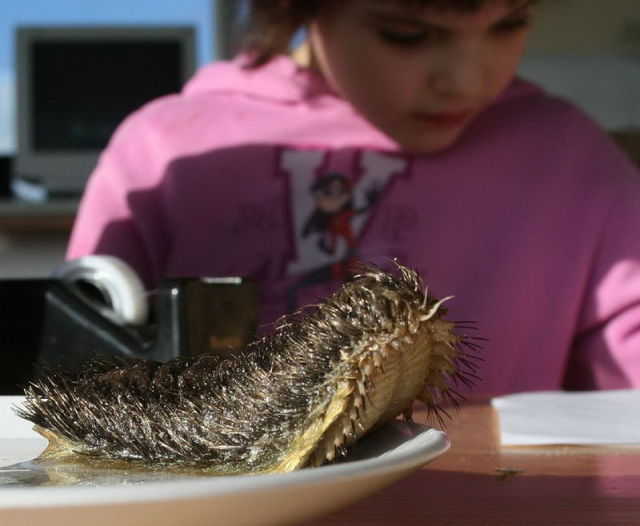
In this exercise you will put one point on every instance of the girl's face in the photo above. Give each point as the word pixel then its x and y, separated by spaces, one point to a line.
pixel 420 75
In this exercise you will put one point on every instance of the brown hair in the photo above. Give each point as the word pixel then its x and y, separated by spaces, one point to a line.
pixel 273 23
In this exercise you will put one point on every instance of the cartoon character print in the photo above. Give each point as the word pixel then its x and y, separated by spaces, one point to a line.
pixel 329 214
pixel 331 220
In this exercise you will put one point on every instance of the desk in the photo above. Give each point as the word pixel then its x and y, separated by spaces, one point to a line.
pixel 51 217
pixel 33 236
pixel 468 485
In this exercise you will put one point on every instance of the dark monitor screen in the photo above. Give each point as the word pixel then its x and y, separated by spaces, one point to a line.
pixel 83 90
pixel 75 85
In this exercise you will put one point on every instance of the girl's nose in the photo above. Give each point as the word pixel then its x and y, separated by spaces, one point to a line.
pixel 460 73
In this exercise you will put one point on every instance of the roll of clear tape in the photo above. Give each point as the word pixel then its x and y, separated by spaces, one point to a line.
pixel 115 279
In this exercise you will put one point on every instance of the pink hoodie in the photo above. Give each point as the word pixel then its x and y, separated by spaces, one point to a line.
pixel 532 220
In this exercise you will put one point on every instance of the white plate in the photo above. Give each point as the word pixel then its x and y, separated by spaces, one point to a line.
pixel 384 457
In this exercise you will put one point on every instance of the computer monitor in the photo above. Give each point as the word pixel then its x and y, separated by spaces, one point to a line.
pixel 76 84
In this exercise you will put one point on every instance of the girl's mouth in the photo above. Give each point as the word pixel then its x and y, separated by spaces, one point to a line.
pixel 443 119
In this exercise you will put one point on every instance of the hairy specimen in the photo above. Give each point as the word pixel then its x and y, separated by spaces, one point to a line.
pixel 299 397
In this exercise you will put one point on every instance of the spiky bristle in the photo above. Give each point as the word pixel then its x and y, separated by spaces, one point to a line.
pixel 300 396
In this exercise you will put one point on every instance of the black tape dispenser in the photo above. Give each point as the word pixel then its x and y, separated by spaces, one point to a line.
pixel 97 305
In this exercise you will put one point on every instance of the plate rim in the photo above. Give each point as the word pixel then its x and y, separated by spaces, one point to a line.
pixel 409 455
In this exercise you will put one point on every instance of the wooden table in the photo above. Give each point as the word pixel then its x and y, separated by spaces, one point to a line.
pixel 479 483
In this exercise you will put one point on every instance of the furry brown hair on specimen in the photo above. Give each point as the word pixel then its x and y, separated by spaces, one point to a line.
pixel 299 397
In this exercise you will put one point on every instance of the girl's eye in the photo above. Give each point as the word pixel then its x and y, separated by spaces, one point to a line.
pixel 405 39
pixel 508 26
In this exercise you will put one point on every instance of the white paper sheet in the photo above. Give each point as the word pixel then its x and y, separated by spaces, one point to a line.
pixel 554 417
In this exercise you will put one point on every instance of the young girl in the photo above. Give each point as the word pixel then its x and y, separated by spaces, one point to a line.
pixel 497 193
